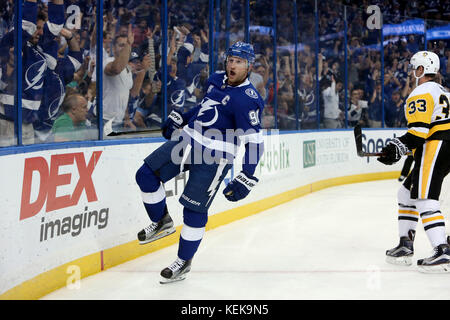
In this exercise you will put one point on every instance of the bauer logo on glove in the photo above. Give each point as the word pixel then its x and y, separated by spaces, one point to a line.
pixel 174 121
pixel 240 187
pixel 393 152
pixel 176 117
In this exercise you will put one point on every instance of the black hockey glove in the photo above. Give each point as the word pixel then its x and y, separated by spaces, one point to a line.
pixel 392 152
pixel 174 121
pixel 240 187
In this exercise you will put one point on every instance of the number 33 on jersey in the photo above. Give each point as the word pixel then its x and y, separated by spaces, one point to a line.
pixel 427 112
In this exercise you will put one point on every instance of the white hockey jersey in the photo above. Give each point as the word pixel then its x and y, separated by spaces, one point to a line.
pixel 427 111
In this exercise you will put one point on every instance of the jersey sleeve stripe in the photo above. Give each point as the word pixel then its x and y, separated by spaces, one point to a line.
pixel 440 122
pixel 256 137
pixel 223 146
pixel 439 127
pixel 76 64
pixel 31 104
pixel 418 133
pixel 28 27
pixel 419 124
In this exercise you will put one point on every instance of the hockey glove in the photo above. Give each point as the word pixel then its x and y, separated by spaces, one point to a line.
pixel 392 152
pixel 240 187
pixel 174 121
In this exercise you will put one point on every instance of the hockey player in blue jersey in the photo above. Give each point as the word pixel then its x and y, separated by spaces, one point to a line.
pixel 210 135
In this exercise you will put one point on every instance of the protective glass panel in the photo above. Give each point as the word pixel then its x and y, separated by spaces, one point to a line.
pixel 8 79
pixel 287 109
pixel 261 36
pixel 306 76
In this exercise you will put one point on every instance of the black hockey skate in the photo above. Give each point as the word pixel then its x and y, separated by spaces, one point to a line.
pixel 439 262
pixel 157 230
pixel 402 254
pixel 176 271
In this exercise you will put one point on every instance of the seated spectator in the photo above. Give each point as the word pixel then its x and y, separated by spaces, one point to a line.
pixel 71 125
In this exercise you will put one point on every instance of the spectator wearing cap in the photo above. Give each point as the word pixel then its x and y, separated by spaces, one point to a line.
pixel 117 83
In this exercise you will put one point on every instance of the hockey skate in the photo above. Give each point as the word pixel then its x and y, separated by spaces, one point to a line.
pixel 402 254
pixel 439 262
pixel 157 230
pixel 176 271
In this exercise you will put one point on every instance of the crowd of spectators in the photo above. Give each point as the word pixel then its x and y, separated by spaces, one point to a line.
pixel 321 82
pixel 310 95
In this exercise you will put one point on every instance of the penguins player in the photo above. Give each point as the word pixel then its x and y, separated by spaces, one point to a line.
pixel 427 111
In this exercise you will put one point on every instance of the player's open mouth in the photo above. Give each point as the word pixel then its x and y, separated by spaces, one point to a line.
pixel 232 73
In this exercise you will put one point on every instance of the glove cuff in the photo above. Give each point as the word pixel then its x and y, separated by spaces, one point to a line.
pixel 176 117
pixel 247 180
pixel 401 148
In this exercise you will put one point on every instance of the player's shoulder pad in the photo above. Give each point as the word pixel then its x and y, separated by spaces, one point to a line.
pixel 432 88
pixel 217 78
pixel 252 96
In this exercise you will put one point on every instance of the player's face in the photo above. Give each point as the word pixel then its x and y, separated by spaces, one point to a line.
pixel 237 70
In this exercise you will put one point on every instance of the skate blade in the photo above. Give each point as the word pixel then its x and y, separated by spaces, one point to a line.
pixel 439 268
pixel 400 261
pixel 163 234
pixel 166 281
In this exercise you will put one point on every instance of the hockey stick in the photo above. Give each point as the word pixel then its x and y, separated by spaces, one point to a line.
pixel 120 133
pixel 108 130
pixel 358 141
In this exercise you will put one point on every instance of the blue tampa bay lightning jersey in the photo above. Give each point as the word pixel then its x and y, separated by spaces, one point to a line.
pixel 226 117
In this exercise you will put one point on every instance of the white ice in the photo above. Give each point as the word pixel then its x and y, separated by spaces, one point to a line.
pixel 327 245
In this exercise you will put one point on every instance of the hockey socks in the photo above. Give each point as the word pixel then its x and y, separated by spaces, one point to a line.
pixel 152 192
pixel 408 216
pixel 432 220
pixel 191 233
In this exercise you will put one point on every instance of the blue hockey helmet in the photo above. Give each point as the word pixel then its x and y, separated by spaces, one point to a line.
pixel 243 50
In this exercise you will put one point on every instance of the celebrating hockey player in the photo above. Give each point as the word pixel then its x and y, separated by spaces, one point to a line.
pixel 211 132
pixel 427 111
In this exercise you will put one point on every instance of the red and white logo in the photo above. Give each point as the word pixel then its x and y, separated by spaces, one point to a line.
pixel 50 179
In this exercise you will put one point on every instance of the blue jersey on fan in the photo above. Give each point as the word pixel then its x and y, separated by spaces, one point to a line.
pixel 44 74
pixel 226 117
